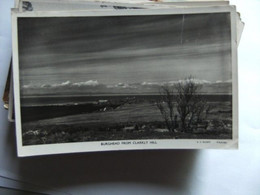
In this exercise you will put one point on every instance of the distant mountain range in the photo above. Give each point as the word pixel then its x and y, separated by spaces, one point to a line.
pixel 92 87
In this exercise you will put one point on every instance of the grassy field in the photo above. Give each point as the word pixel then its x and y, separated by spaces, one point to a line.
pixel 138 120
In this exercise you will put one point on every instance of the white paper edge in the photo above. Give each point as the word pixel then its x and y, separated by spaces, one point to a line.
pixel 142 4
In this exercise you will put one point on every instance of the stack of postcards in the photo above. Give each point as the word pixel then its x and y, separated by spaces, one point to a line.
pixel 123 75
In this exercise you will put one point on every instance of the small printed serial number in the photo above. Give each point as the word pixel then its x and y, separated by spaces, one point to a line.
pixel 203 142
pixel 221 142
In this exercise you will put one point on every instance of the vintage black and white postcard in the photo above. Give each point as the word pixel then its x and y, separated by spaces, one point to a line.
pixel 120 80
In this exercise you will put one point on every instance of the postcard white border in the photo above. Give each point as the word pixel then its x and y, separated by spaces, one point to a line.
pixel 96 146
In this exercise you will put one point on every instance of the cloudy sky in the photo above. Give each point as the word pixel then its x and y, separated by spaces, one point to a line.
pixel 125 49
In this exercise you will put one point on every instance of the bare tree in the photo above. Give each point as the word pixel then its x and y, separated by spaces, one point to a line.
pixel 166 107
pixel 191 107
